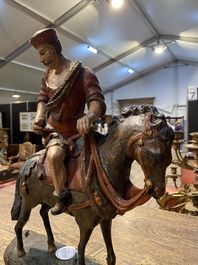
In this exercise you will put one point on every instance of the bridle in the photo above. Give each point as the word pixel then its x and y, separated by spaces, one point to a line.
pixel 139 140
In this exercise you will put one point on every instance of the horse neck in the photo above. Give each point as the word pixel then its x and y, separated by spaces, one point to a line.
pixel 113 155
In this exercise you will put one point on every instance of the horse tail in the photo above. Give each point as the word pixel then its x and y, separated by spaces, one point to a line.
pixel 16 207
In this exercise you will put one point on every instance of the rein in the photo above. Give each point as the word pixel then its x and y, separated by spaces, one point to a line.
pixel 121 205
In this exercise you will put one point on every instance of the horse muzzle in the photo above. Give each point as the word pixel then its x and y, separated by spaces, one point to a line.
pixel 155 191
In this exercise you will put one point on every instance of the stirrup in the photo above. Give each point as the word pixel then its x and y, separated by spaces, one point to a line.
pixel 63 201
pixel 58 209
pixel 62 195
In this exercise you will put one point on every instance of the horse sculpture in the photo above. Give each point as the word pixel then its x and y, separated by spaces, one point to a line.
pixel 99 178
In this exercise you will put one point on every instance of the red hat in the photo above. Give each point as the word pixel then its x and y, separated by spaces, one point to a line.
pixel 43 36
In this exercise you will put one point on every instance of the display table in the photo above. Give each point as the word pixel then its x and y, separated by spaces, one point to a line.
pixel 142 236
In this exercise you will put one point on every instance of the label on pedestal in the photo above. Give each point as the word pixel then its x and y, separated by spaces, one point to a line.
pixel 65 253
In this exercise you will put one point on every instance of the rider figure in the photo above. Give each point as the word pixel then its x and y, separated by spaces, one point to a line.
pixel 66 88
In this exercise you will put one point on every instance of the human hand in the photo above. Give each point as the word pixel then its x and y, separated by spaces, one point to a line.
pixel 84 124
pixel 37 125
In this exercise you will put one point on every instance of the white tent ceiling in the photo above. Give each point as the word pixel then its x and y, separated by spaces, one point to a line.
pixel 123 37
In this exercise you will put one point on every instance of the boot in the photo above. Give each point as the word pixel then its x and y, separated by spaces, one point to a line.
pixel 62 202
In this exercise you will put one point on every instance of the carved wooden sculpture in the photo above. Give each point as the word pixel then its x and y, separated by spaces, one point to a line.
pixel 99 177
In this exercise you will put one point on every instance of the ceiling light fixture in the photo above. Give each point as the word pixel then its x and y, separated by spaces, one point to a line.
pixel 16 95
pixel 160 44
pixel 91 49
pixel 159 48
pixel 113 3
pixel 116 3
pixel 130 70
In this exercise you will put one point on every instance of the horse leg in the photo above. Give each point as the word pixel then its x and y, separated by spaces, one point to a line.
pixel 50 238
pixel 85 234
pixel 86 222
pixel 106 231
pixel 22 220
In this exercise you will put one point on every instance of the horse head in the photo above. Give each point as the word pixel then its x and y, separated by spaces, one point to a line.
pixel 151 146
pixel 141 134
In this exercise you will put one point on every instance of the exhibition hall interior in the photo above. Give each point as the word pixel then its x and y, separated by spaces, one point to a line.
pixel 98 132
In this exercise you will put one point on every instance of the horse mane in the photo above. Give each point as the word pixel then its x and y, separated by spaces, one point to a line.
pixel 156 118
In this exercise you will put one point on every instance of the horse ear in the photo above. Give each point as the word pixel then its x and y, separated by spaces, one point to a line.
pixel 114 121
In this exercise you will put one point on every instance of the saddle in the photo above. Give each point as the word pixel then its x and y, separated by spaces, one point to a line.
pixel 81 175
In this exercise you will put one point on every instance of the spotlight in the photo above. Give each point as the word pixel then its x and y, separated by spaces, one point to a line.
pixel 117 3
pixel 91 49
pixel 159 48
pixel 130 70
pixel 16 95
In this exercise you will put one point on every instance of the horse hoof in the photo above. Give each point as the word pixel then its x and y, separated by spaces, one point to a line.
pixel 52 248
pixel 20 253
